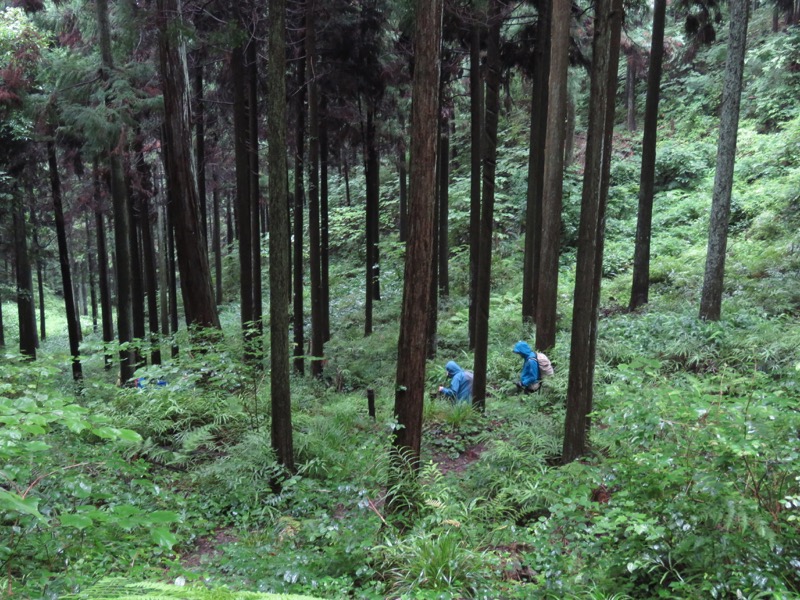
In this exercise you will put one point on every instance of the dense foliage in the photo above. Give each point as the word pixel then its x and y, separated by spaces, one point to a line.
pixel 692 489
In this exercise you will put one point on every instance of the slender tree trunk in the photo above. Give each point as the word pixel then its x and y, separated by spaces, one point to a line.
pixel 279 249
pixel 553 176
pixel 372 176
pixel 410 382
pixel 137 280
pixel 299 198
pixel 569 135
pixel 25 302
pixel 122 225
pixel 347 201
pixel 151 283
pixel 2 327
pixel 403 174
pixel 640 288
pixel 711 299
pixel 40 287
pixel 605 60
pixel 476 156
pixel 487 210
pixel 198 298
pixel 200 140
pixel 630 91
pixel 73 327
pixel 315 267
pixel 538 128
pixel 251 57
pixel 324 222
pixel 433 303
pixel 106 314
pixel 92 271
pixel 217 239
pixel 444 207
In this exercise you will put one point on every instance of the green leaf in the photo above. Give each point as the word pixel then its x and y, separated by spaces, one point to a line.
pixel 164 516
pixel 163 537
pixel 76 521
pixel 9 501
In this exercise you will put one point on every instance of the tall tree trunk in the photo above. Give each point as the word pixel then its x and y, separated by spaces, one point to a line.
pixel 40 286
pixel 403 175
pixel 106 314
pixel 444 207
pixel 251 59
pixel 476 156
pixel 433 303
pixel 410 382
pixel 2 327
pixel 605 60
pixel 217 239
pixel 372 176
pixel 711 299
pixel 553 176
pixel 324 222
pixel 315 267
pixel 279 249
pixel 535 189
pixel 640 288
pixel 122 225
pixel 200 141
pixel 243 197
pixel 151 283
pixel 299 198
pixel 25 302
pixel 487 210
pixel 198 298
pixel 92 271
pixel 73 327
pixel 630 90
pixel 137 280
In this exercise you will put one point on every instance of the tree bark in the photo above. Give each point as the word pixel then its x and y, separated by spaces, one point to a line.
pixel 533 214
pixel 487 210
pixel 546 302
pixel 25 303
pixel 217 239
pixel 605 60
pixel 198 299
pixel 121 209
pixel 279 249
pixel 73 326
pixel 711 299
pixel 403 176
pixel 444 207
pixel 411 348
pixel 299 198
pixel 251 57
pixel 372 177
pixel 200 140
pixel 476 141
pixel 314 234
pixel 106 314
pixel 324 222
pixel 630 90
pixel 640 288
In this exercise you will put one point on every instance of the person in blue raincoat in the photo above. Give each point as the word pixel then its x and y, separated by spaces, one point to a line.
pixel 460 389
pixel 529 378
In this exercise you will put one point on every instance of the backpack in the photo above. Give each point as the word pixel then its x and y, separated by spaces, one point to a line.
pixel 545 366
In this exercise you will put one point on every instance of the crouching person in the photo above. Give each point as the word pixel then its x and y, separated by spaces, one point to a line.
pixel 460 389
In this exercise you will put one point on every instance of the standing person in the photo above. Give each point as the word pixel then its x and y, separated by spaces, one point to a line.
pixel 460 389
pixel 534 366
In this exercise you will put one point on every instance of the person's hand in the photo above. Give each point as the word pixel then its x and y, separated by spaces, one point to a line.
pixel 440 389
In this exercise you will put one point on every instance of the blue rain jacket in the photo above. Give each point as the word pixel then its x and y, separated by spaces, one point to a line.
pixel 530 368
pixel 460 389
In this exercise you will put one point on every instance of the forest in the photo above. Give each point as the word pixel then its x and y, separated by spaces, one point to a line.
pixel 245 246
